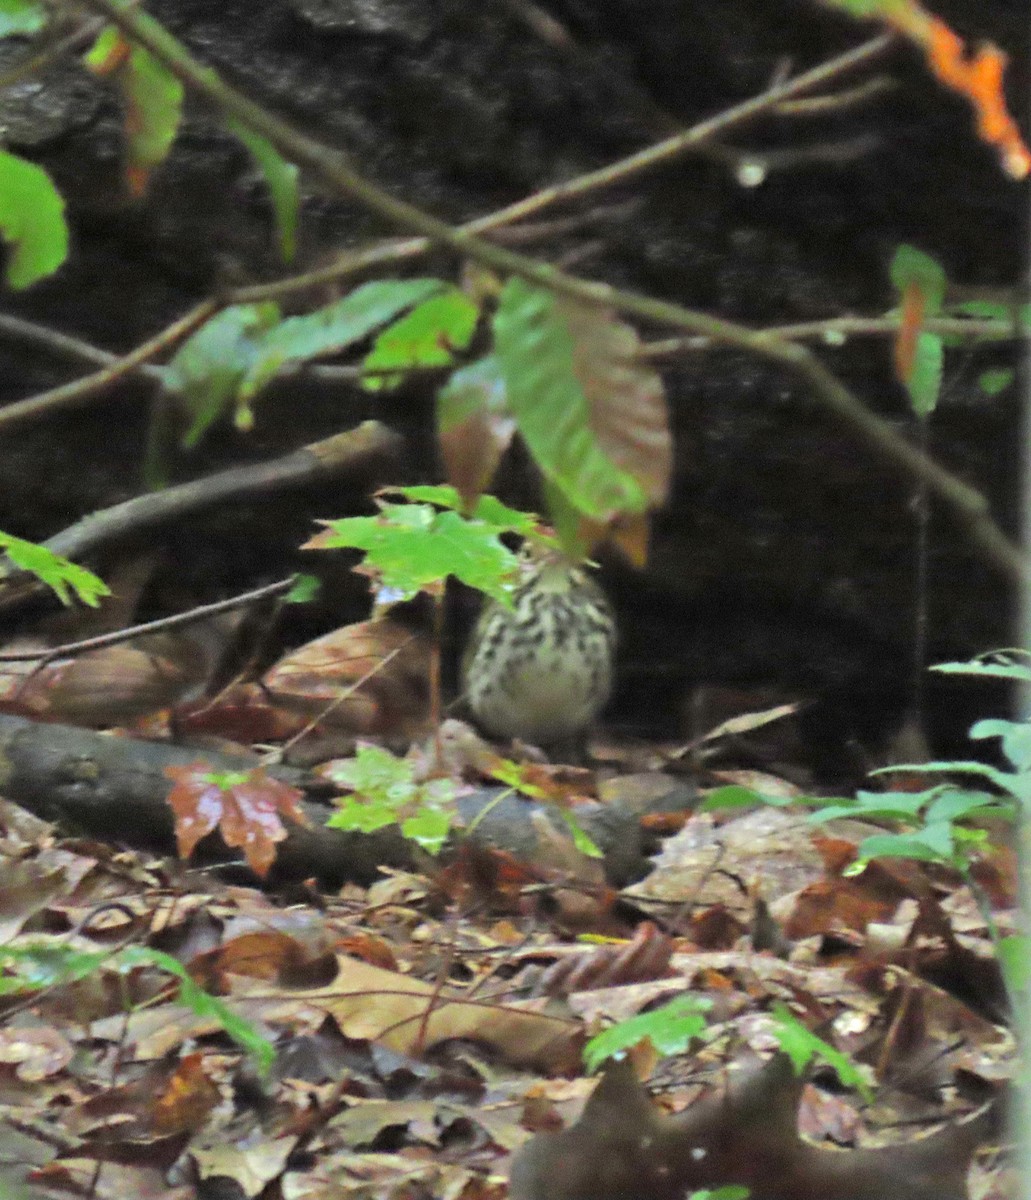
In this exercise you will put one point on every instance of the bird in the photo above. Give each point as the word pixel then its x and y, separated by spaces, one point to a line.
pixel 541 671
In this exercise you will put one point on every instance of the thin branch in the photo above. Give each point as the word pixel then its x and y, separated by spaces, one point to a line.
pixel 81 390
pixel 392 251
pixel 64 346
pixel 200 613
pixel 342 454
pixel 835 330
pixel 335 170
pixel 351 262
pixel 862 93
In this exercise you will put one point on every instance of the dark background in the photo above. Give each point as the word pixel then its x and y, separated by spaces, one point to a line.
pixel 785 557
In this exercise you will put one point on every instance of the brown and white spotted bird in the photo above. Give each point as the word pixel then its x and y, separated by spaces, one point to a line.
pixel 542 670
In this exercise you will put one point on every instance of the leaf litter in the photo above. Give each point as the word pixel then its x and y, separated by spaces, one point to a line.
pixel 425 1035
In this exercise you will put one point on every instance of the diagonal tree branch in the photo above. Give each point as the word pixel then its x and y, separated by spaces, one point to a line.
pixel 966 505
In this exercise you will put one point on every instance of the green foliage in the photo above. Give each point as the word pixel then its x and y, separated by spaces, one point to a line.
pixel 51 964
pixel 21 17
pixel 226 781
pixel 425 337
pixel 31 221
pixel 517 777
pixel 31 968
pixel 412 547
pixel 730 1191
pixel 735 795
pixel 863 10
pixel 1014 954
pixel 335 327
pixel 154 101
pixel 282 178
pixel 209 369
pixel 203 1004
pixel 801 1046
pixel 1014 665
pixel 386 792
pixel 934 817
pixel 1010 316
pixel 305 588
pixel 59 574
pixel 537 354
pixel 912 269
pixel 670 1029
pixel 996 380
pixel 232 357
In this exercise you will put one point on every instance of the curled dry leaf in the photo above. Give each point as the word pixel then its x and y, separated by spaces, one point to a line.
pixel 368 679
pixel 645 956
pixel 118 684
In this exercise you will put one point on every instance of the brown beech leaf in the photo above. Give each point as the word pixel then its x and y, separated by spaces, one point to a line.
pixel 627 399
pixel 245 806
pixel 474 427
pixel 117 684
pixel 645 956
pixel 408 1015
pixel 747 1135
pixel 369 678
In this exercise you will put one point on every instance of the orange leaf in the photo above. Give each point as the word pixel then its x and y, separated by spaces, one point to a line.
pixel 979 79
pixel 188 1098
pixel 914 303
pixel 245 807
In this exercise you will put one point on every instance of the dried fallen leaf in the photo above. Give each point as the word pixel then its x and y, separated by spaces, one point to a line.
pixel 245 807
pixel 410 1016
pixel 370 678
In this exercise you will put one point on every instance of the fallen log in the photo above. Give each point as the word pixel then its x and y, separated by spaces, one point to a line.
pixel 115 788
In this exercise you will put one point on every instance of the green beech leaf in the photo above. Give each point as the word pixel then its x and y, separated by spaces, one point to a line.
pixel 282 179
pixel 208 369
pixel 425 337
pixel 31 221
pixel 21 17
pixel 153 99
pixel 569 371
pixel 60 575
pixel 474 425
pixel 924 383
pixel 1015 316
pixel 334 328
pixel 996 380
pixel 910 267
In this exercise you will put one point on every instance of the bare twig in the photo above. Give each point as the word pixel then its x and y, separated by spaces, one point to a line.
pixel 343 453
pixel 835 330
pixel 81 390
pixel 200 613
pixel 335 170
